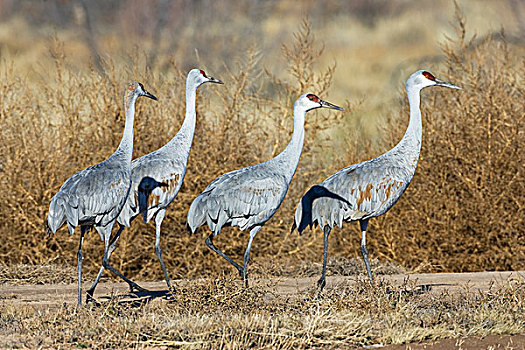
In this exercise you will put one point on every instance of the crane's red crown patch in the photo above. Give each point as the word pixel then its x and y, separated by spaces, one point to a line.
pixel 312 97
pixel 429 76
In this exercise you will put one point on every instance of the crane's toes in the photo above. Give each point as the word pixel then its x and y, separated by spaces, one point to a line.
pixel 133 287
pixel 90 299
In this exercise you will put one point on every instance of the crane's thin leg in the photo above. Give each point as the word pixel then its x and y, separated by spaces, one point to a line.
pixel 80 258
pixel 364 251
pixel 322 281
pixel 105 260
pixel 111 249
pixel 158 221
pixel 209 243
pixel 253 232
pixel 106 232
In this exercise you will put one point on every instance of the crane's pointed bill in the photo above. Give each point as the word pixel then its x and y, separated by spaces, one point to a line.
pixel 329 105
pixel 445 84
pixel 213 80
pixel 153 97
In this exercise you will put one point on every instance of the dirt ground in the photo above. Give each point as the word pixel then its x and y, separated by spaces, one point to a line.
pixel 57 294
pixel 53 295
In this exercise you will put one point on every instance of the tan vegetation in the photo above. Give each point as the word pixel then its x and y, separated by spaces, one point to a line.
pixel 219 313
pixel 61 111
pixel 463 211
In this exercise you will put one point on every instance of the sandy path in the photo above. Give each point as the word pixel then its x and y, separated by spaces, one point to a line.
pixel 57 294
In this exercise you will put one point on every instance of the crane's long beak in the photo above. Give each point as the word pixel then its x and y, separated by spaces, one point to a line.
pixel 153 97
pixel 213 80
pixel 329 105
pixel 445 84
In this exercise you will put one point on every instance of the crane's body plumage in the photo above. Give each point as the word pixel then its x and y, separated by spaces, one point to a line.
pixel 94 197
pixel 370 188
pixel 249 197
pixel 91 197
pixel 245 197
pixel 168 172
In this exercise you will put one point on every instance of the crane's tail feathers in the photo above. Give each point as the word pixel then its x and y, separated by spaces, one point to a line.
pixel 294 226
pixel 190 230
pixel 57 215
pixel 146 186
pixel 314 193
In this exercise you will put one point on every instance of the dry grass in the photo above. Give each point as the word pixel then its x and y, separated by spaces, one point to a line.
pixel 463 211
pixel 37 274
pixel 218 313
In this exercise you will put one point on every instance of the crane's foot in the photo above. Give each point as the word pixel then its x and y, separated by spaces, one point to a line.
pixel 133 287
pixel 241 272
pixel 321 284
pixel 90 299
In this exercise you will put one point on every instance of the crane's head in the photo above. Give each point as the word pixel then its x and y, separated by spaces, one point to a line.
pixel 136 89
pixel 423 78
pixel 310 101
pixel 197 77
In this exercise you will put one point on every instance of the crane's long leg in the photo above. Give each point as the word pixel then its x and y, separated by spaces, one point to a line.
pixel 111 249
pixel 106 233
pixel 253 232
pixel 364 251
pixel 322 281
pixel 209 243
pixel 80 258
pixel 158 221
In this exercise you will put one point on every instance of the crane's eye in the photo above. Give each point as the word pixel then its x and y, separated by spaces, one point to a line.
pixel 312 97
pixel 203 74
pixel 429 76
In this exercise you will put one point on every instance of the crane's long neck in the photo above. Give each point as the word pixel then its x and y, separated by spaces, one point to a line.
pixel 188 127
pixel 411 141
pixel 291 154
pixel 125 148
pixel 185 135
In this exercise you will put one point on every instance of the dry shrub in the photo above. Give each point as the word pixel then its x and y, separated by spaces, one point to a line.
pixel 72 119
pixel 463 211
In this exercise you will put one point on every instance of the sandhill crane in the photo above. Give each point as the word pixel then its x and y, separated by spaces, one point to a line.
pixel 93 197
pixel 368 189
pixel 249 197
pixel 157 177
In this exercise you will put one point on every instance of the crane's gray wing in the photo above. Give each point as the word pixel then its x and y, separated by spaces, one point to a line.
pixel 93 196
pixel 371 187
pixel 155 183
pixel 244 198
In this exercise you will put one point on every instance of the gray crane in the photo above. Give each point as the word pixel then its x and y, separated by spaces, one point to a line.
pixel 94 197
pixel 249 197
pixel 156 178
pixel 370 188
